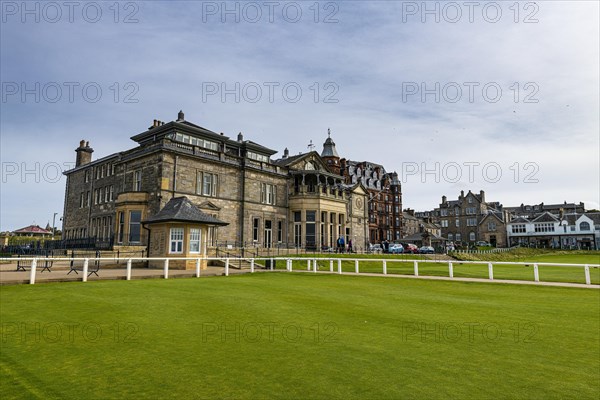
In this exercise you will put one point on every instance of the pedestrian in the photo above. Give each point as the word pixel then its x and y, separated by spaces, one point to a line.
pixel 340 244
pixel 349 245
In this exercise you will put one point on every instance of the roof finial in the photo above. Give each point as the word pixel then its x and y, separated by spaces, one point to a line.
pixel 329 133
pixel 311 146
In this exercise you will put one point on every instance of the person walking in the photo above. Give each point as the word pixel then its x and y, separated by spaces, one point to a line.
pixel 340 245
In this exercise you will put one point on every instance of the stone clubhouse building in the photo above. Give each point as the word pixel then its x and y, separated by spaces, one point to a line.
pixel 307 200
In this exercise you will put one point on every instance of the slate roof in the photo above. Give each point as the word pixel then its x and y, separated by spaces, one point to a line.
pixel 572 218
pixel 546 217
pixel 329 149
pixel 181 209
pixel 406 215
pixel 594 217
pixel 290 159
pixel 520 220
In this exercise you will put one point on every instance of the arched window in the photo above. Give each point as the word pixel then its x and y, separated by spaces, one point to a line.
pixel 472 236
pixel 584 226
pixel 450 237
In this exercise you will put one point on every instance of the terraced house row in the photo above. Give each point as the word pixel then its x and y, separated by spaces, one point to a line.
pixel 307 200
pixel 471 218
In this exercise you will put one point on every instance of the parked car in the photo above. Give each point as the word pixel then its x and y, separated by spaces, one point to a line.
pixel 411 248
pixel 375 248
pixel 426 250
pixel 482 243
pixel 327 249
pixel 396 248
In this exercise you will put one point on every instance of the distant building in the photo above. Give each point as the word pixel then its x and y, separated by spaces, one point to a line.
pixel 384 198
pixel 559 231
pixel 33 231
pixel 471 218
pixel 421 231
pixel 531 211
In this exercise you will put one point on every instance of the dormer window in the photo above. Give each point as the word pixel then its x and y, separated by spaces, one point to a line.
pixel 258 157
pixel 194 141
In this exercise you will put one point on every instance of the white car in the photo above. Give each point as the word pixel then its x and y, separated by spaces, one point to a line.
pixel 396 248
pixel 375 248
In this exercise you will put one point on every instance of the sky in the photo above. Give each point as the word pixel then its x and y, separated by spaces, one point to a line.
pixel 495 96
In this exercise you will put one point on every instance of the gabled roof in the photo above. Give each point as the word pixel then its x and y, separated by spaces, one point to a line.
pixel 33 229
pixel 546 217
pixel 492 215
pixel 594 217
pixel 181 209
pixel 311 155
pixel 292 159
pixel 573 218
pixel 288 160
pixel 406 215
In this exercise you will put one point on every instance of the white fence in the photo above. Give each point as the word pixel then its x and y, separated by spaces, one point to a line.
pixel 300 263
pixel 495 250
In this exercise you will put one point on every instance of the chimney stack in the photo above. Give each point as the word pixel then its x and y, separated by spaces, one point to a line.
pixel 240 137
pixel 180 116
pixel 84 153
pixel 482 195
pixel 286 153
pixel 443 199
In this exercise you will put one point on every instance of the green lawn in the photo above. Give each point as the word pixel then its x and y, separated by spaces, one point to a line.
pixel 282 335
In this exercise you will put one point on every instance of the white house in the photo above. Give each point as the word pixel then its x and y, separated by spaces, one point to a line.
pixel 567 231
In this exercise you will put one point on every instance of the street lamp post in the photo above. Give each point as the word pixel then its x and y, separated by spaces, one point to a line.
pixel 53 228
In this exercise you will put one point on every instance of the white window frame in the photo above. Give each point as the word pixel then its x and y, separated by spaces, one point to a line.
pixel 176 240
pixel 255 229
pixel 195 240
pixel 137 180
pixel 268 194
pixel 206 184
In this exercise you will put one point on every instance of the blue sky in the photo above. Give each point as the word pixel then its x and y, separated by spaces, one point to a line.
pixel 502 97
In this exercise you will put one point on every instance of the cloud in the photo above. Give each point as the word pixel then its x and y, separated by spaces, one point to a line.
pixel 354 75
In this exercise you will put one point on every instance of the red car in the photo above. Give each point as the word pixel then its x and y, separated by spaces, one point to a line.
pixel 411 248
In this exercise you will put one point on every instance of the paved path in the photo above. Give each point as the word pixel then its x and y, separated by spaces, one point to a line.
pixel 9 275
